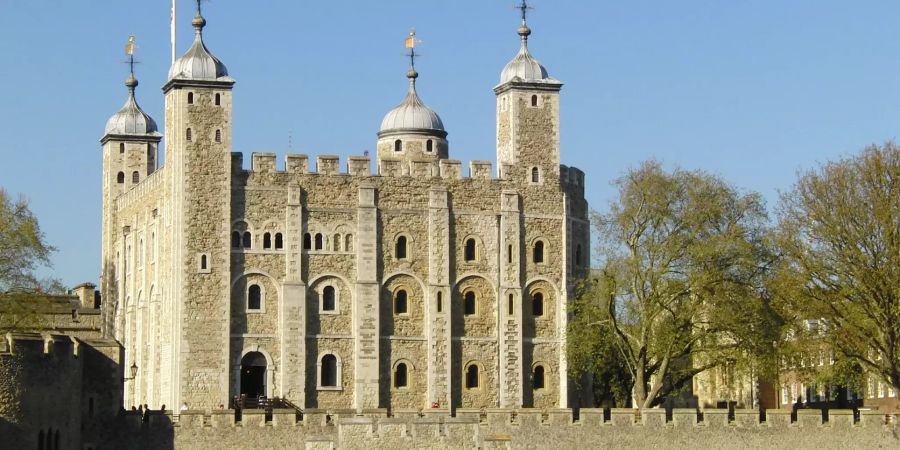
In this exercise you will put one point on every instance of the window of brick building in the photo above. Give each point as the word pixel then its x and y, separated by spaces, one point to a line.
pixel 472 377
pixel 400 302
pixel 537 304
pixel 401 376
pixel 538 377
pixel 538 254
pixel 279 241
pixel 469 303
pixel 400 248
pixel 470 253
pixel 248 240
pixel 329 302
pixel 254 298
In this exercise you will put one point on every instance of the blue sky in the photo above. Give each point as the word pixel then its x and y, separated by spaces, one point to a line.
pixel 752 90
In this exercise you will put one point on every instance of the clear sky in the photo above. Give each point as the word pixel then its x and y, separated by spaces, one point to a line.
pixel 751 90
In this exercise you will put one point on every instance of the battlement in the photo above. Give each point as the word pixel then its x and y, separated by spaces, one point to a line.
pixel 29 344
pixel 137 193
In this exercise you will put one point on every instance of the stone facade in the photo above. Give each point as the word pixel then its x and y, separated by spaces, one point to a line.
pixel 412 287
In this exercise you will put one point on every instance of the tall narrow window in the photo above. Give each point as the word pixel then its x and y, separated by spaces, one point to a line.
pixel 254 298
pixel 429 146
pixel 218 135
pixel 538 377
pixel 204 262
pixel 472 377
pixel 534 100
pixel 400 248
pixel 135 177
pixel 41 440
pixel 400 306
pixel 122 147
pixel 348 243
pixel 279 241
pixel 319 241
pixel 470 250
pixel 469 303
pixel 537 304
pixel 248 240
pixel 267 241
pixel 337 242
pixel 578 262
pixel 398 145
pixel 440 302
pixel 218 100
pixel 307 241
pixel 511 305
pixel 328 376
pixel 535 175
pixel 120 178
pixel 538 255
pixel 190 98
pixel 509 254
pixel 188 135
pixel 236 239
pixel 328 302
pixel 400 376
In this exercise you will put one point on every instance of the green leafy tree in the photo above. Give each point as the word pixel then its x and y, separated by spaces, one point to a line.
pixel 839 235
pixel 684 259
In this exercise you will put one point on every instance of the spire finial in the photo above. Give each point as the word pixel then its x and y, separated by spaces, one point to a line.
pixel 410 43
pixel 130 47
pixel 199 22
pixel 524 31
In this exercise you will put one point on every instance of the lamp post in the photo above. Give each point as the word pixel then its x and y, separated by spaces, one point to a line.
pixel 134 370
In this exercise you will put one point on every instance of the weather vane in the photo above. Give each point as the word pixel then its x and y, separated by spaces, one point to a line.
pixel 410 43
pixel 524 8
pixel 130 47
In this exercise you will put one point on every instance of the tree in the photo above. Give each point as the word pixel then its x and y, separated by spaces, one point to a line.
pixel 22 250
pixel 22 245
pixel 839 236
pixel 684 257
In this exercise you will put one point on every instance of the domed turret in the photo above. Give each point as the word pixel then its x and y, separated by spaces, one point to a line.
pixel 198 63
pixel 131 119
pixel 524 67
pixel 412 113
pixel 412 131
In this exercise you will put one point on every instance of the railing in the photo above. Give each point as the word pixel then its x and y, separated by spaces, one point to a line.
pixel 242 402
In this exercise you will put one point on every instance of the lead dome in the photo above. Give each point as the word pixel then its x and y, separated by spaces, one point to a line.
pixel 412 113
pixel 198 63
pixel 131 119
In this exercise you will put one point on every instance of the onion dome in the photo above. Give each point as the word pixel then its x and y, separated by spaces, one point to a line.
pixel 131 119
pixel 198 63
pixel 524 67
pixel 412 114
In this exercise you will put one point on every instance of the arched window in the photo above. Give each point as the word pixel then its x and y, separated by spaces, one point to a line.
pixel 337 242
pixel 120 178
pixel 135 177
pixel 122 147
pixel 267 241
pixel 511 305
pixel 190 98
pixel 578 262
pixel 187 134
pixel 328 300
pixel 400 306
pixel 400 376
pixel 472 377
pixel 470 250
pixel 440 302
pixel 218 135
pixel 235 239
pixel 535 175
pixel 429 146
pixel 398 145
pixel 538 255
pixel 534 100
pixel 307 241
pixel 279 241
pixel 218 100
pixel 248 240
pixel 319 241
pixel 254 298
pixel 469 303
pixel 348 243
pixel 537 304
pixel 204 262
pixel 400 248
pixel 538 378
pixel 509 254
pixel 328 376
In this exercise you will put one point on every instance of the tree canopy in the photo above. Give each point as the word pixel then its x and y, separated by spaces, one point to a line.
pixel 22 245
pixel 683 258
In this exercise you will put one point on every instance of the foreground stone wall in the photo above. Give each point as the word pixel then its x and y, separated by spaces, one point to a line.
pixel 502 429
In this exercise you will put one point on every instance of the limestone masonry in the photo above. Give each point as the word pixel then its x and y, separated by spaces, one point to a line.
pixel 414 287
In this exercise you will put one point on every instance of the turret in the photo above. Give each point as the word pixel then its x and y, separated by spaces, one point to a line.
pixel 527 117
pixel 412 131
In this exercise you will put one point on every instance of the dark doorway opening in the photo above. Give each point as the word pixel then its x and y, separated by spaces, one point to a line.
pixel 253 375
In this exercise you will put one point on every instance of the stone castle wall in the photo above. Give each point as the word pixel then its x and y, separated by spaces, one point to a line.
pixel 510 429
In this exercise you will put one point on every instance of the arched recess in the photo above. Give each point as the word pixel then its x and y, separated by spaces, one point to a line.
pixel 337 320
pixel 412 322
pixel 241 320
pixel 254 371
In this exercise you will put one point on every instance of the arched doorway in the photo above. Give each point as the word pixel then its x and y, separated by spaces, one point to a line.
pixel 253 375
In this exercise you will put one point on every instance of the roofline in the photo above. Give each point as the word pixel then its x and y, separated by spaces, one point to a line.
pixel 154 138
pixel 416 131
pixel 545 86
pixel 223 83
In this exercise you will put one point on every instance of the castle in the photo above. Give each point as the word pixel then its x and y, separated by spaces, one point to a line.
pixel 412 287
